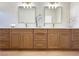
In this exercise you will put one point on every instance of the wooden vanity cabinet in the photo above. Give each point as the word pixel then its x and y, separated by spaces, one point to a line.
pixel 59 38
pixel 75 38
pixel 4 38
pixel 27 38
pixel 15 38
pixel 53 38
pixel 40 38
pixel 21 38
pixel 65 38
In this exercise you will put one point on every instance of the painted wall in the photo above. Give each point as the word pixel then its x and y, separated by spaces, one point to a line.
pixel 74 14
pixel 65 16
pixel 9 15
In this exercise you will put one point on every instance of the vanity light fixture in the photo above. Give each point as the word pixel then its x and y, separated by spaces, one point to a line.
pixel 54 5
pixel 57 4
pixel 26 4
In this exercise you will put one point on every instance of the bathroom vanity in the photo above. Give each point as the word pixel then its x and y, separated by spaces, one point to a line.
pixel 39 25
pixel 39 38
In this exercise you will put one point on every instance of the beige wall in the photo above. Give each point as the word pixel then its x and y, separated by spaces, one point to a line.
pixel 9 14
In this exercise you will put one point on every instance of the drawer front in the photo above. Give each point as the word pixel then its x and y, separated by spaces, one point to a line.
pixel 53 31
pixel 4 39
pixel 27 30
pixel 4 30
pixel 40 31
pixel 4 44
pixel 75 38
pixel 75 44
pixel 40 36
pixel 22 30
pixel 4 34
pixel 40 44
pixel 39 39
pixel 75 34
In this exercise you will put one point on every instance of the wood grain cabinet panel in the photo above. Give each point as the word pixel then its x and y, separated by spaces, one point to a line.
pixel 28 40
pixel 65 38
pixel 40 34
pixel 75 38
pixel 40 44
pixel 40 38
pixel 21 38
pixel 4 38
pixel 53 38
pixel 15 39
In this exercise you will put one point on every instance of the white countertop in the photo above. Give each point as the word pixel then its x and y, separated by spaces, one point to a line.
pixel 35 28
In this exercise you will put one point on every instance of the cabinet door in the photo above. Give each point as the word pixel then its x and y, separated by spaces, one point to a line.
pixel 65 38
pixel 53 38
pixel 21 38
pixel 4 38
pixel 15 38
pixel 75 38
pixel 28 38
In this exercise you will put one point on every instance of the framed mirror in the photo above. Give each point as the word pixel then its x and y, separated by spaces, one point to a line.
pixel 53 15
pixel 26 15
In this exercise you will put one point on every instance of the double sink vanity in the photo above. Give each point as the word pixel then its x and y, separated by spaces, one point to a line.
pixel 39 38
pixel 47 25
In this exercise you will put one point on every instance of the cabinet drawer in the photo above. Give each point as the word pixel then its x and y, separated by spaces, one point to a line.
pixel 75 46
pixel 15 30
pixel 3 41
pixel 22 30
pixel 41 31
pixel 4 35
pixel 40 36
pixel 75 30
pixel 40 39
pixel 27 30
pixel 40 44
pixel 53 31
pixel 4 44
pixel 4 30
